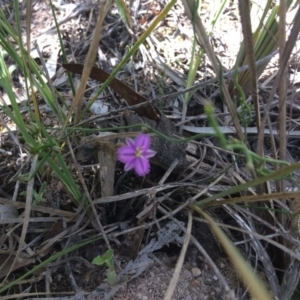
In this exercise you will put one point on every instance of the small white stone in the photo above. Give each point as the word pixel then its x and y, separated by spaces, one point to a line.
pixel 196 272
pixel 132 272
pixel 215 278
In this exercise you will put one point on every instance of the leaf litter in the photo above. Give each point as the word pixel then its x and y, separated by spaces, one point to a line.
pixel 158 70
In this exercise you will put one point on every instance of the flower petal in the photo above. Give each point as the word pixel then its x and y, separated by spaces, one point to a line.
pixel 143 141
pixel 130 142
pixel 130 164
pixel 126 153
pixel 149 153
pixel 126 150
pixel 142 166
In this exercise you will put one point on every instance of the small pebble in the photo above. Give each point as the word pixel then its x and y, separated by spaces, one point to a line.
pixel 132 272
pixel 196 272
pixel 48 122
pixel 215 278
pixel 145 298
pixel 187 273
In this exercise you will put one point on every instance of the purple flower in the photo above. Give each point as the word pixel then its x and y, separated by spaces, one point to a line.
pixel 135 155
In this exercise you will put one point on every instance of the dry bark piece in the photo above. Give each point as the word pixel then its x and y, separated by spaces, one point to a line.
pixel 6 260
pixel 107 161
pixel 105 145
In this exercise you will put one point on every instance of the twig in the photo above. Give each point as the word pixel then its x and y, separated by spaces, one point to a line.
pixel 231 130
pixel 175 278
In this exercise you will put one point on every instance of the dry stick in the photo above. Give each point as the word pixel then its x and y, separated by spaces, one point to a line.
pixel 231 130
pixel 28 24
pixel 89 61
pixel 282 217
pixel 29 196
pixel 69 273
pixel 168 172
pixel 31 220
pixel 176 274
pixel 137 193
pixel 285 58
pixel 282 89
